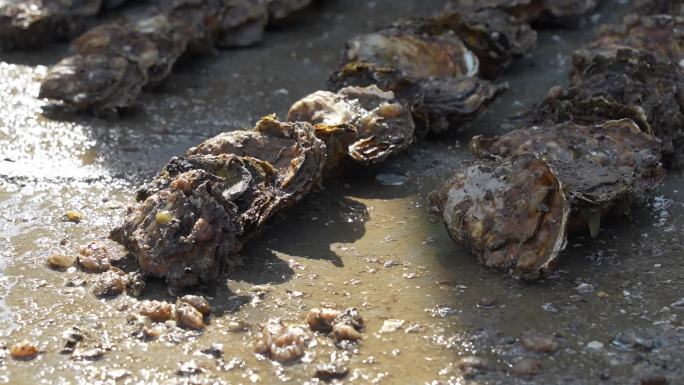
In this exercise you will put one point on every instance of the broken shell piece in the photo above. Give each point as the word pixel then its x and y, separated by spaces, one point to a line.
pixel 280 342
pixel 157 311
pixel 198 302
pixel 189 317
pixel 511 214
pixel 364 123
pixel 109 284
pixel 322 320
pixel 23 350
pixel 345 332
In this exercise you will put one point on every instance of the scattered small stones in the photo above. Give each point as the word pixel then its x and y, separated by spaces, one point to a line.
pixel 93 354
pixel 23 350
pixel 539 343
pixel 157 311
pixel 60 261
pixel 584 288
pixel 392 325
pixel 94 258
pixel 594 346
pixel 188 316
pixel 280 342
pixel 527 367
pixel 329 372
pixel 109 284
pixel 73 216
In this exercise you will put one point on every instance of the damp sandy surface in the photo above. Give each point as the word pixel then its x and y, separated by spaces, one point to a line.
pixel 359 243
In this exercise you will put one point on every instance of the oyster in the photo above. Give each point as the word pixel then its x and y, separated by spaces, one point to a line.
pixel 493 35
pixel 633 84
pixel 515 208
pixel 414 55
pixel 511 214
pixel 541 11
pixel 195 215
pixel 602 167
pixel 365 124
pixel 655 7
pixel 28 23
pixel 436 104
pixel 114 62
pixel 660 35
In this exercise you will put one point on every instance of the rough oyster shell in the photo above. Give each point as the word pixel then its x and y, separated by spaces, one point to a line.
pixel 493 35
pixel 637 81
pixel 365 124
pixel 25 24
pixel 151 46
pixel 660 35
pixel 195 215
pixel 511 214
pixel 543 11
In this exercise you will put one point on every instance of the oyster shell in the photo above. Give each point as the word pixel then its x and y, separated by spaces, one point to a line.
pixel 511 214
pixel 541 11
pixel 633 84
pixel 28 23
pixel 602 167
pixel 660 35
pixel 114 62
pixel 514 208
pixel 195 215
pixel 365 124
pixel 414 55
pixel 493 35
pixel 655 7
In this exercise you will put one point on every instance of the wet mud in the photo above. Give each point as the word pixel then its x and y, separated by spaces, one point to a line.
pixel 612 314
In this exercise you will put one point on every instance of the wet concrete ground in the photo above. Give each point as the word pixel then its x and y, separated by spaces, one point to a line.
pixel 358 243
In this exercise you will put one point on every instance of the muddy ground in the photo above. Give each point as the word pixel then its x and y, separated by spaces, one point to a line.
pixel 611 309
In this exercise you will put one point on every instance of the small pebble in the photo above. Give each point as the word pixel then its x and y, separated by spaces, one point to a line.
pixel 23 350
pixel 527 367
pixel 470 366
pixel 157 311
pixel 60 261
pixel 539 343
pixel 73 216
pixel 392 325
pixel 653 379
pixel 584 288
pixel 328 372
pixel 594 346
pixel 109 284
